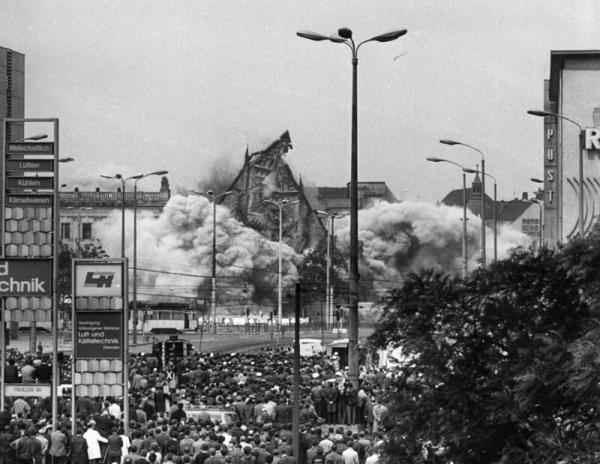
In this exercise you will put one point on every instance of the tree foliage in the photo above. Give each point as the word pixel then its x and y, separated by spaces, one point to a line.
pixel 313 272
pixel 505 366
pixel 65 267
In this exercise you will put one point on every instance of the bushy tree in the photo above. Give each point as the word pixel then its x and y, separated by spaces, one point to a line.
pixel 65 257
pixel 505 366
pixel 313 272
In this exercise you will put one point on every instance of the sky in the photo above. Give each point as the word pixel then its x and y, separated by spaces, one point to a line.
pixel 141 85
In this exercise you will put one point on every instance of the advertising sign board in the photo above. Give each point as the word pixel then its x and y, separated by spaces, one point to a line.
pixel 26 277
pixel 29 200
pixel 38 390
pixel 99 280
pixel 29 165
pixel 99 335
pixel 30 148
pixel 29 183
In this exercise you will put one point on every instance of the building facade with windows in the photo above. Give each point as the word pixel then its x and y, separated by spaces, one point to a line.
pixel 82 211
pixel 572 91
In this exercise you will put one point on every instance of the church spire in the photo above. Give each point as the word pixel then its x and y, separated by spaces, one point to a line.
pixel 476 185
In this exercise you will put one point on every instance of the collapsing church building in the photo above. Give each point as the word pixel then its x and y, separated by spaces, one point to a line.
pixel 264 187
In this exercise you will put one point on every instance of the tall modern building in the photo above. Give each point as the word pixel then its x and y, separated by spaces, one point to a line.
pixel 573 91
pixel 12 90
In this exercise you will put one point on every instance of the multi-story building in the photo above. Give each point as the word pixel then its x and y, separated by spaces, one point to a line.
pixel 81 211
pixel 12 91
pixel 573 92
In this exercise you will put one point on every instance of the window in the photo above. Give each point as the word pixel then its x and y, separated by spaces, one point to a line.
pixel 65 231
pixel 86 231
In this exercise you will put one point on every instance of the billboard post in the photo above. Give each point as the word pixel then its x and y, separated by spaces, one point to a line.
pixel 99 331
pixel 29 243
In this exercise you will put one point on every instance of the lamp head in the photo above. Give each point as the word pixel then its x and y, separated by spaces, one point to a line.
pixel 312 36
pixel 66 159
pixel 433 159
pixel 345 33
pixel 535 179
pixel 159 173
pixel 210 192
pixel 37 137
pixel 539 113
pixel 389 36
pixel 470 171
pixel 449 142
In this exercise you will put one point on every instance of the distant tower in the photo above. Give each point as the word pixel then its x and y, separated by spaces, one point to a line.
pixel 12 90
pixel 474 201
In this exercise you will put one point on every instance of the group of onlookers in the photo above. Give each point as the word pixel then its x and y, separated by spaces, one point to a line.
pixel 171 414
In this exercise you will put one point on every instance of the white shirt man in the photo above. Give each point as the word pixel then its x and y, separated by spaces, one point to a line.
pixel 350 456
pixel 93 439
pixel 326 444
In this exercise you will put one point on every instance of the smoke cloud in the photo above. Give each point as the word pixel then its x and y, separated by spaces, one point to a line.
pixel 178 243
pixel 394 239
pixel 400 237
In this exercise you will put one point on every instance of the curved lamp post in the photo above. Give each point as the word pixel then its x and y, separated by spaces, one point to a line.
pixel 464 220
pixel 580 196
pixel 454 142
pixel 280 204
pixel 330 248
pixel 474 171
pixel 213 285
pixel 344 36
pixel 134 304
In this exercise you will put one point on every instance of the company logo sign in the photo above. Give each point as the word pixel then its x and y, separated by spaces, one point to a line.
pixel 98 279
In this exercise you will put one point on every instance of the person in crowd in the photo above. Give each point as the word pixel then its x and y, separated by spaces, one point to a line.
pixel 28 371
pixel 59 446
pixel 93 439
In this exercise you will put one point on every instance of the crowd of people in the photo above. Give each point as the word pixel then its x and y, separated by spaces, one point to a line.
pixel 169 420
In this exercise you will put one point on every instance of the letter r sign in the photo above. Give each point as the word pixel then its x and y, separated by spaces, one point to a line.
pixel 592 138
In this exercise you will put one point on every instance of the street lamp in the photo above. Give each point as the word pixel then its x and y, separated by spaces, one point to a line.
pixel 581 147
pixel 474 171
pixel 280 204
pixel 134 306
pixel 330 248
pixel 454 142
pixel 33 137
pixel 344 36
pixel 464 238
pixel 122 179
pixel 213 286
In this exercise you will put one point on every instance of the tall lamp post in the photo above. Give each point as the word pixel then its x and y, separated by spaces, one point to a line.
pixel 134 305
pixel 580 174
pixel 474 171
pixel 454 142
pixel 213 282
pixel 464 220
pixel 330 248
pixel 122 179
pixel 280 204
pixel 344 36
